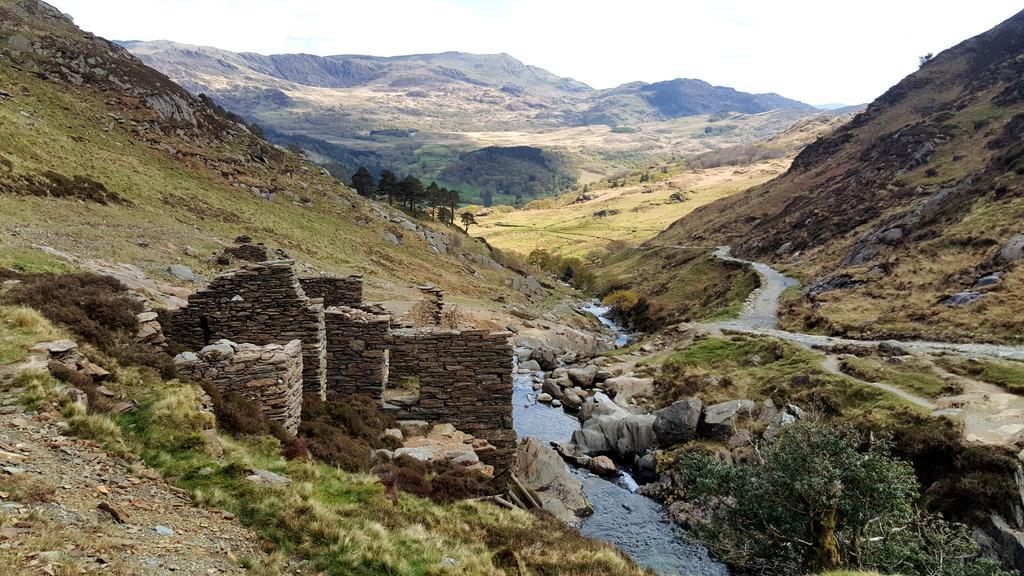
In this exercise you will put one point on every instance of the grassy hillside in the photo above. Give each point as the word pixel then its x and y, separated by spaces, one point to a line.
pixel 906 205
pixel 105 158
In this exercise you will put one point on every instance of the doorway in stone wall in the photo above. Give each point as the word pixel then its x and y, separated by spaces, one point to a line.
pixel 401 391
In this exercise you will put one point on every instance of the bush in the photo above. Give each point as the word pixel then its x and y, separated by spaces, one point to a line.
pixel 96 308
pixel 343 431
pixel 441 483
pixel 820 498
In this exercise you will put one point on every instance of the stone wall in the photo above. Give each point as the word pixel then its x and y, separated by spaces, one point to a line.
pixel 465 378
pixel 357 351
pixel 346 291
pixel 269 375
pixel 258 304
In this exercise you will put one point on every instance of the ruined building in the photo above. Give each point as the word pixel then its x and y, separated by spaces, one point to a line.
pixel 461 377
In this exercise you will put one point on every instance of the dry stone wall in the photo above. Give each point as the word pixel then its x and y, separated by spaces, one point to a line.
pixel 357 351
pixel 345 291
pixel 269 375
pixel 465 378
pixel 258 304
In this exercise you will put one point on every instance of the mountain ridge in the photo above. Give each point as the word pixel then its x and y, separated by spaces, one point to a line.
pixel 666 99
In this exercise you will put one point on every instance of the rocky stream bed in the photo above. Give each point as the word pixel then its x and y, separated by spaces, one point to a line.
pixel 634 523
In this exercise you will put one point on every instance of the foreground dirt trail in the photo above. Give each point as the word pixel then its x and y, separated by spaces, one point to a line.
pixel 67 507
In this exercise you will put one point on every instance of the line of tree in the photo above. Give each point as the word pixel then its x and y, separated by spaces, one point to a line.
pixel 409 192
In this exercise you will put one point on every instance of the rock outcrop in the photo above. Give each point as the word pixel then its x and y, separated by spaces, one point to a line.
pixel 541 469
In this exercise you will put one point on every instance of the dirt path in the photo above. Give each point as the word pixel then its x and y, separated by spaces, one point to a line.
pixel 67 507
pixel 990 414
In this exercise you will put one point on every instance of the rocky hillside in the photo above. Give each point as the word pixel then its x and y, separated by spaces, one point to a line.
pixel 907 220
pixel 103 160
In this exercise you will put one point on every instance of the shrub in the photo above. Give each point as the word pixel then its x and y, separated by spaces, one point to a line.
pixel 344 430
pixel 821 498
pixel 237 414
pixel 96 308
pixel 440 482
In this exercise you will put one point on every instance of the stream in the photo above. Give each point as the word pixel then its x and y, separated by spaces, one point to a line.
pixel 631 522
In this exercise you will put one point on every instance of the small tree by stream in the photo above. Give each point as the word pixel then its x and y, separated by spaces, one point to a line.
pixel 820 498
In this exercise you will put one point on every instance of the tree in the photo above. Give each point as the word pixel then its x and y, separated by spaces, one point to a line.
pixel 467 220
pixel 819 498
pixel 362 181
pixel 453 204
pixel 388 184
pixel 922 60
pixel 411 192
pixel 433 198
pixel 487 197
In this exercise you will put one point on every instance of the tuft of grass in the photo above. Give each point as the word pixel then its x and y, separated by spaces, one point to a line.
pixel 37 389
pixel 98 427
pixel 20 328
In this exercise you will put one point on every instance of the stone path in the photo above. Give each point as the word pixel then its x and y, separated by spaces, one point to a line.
pixel 67 507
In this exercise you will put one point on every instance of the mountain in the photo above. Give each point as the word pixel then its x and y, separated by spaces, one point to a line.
pixel 106 160
pixel 907 220
pixel 419 114
pixel 536 97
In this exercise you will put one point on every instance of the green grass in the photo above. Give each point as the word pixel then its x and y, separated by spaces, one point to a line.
pixel 680 284
pixel 759 367
pixel 1007 374
pixel 912 376
pixel 32 261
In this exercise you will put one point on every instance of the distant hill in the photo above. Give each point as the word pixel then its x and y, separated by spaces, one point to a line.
pixel 511 175
pixel 895 218
pixel 417 114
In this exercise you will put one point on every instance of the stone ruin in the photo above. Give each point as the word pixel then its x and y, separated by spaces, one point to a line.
pixel 435 301
pixel 346 291
pixel 442 376
pixel 269 375
pixel 257 304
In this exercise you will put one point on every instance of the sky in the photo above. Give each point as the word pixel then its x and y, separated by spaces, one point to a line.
pixel 815 51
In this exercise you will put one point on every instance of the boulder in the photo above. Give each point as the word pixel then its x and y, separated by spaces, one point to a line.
pixel 603 466
pixel 393 435
pixel 530 365
pixel 623 436
pixel 1012 251
pixel 600 405
pixel 560 492
pixel 572 400
pixel 182 273
pixel 678 422
pixel 412 428
pixel 625 388
pixel 962 298
pixel 552 388
pixel 892 348
pixel 720 420
pixel 583 376
pixel 544 398
pixel 267 477
pixel 990 280
pixel 1004 543
pixel 546 357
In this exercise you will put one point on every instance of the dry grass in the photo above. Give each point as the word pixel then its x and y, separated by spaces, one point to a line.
pixel 20 328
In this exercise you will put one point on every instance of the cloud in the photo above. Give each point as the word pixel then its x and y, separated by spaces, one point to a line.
pixel 809 50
